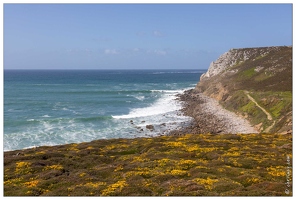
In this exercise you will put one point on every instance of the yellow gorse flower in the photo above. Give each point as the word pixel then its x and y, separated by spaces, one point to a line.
pixel 178 172
pixel 276 171
pixel 119 185
pixel 55 167
pixel 23 168
pixel 175 144
pixel 95 184
pixel 31 183
pixel 208 182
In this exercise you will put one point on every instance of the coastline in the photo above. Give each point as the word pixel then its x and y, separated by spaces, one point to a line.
pixel 63 107
pixel 210 160
pixel 207 116
pixel 210 117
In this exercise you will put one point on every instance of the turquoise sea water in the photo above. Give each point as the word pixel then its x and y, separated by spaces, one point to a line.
pixel 51 107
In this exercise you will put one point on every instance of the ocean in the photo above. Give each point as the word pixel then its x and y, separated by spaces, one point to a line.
pixel 52 107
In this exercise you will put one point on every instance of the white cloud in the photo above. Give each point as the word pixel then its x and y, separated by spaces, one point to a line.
pixel 111 51
pixel 157 33
pixel 160 52
pixel 136 50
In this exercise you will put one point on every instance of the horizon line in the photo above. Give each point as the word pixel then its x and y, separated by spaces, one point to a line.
pixel 103 69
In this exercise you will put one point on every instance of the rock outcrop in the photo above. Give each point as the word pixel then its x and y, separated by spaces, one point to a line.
pixel 235 57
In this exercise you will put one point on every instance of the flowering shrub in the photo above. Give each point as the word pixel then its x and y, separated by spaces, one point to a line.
pixel 118 186
pixel 23 168
pixel 276 171
pixel 55 167
pixel 208 182
pixel 190 165
pixel 31 183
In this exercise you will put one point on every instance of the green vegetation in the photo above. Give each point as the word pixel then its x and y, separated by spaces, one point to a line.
pixel 239 103
pixel 188 165
pixel 249 72
pixel 278 103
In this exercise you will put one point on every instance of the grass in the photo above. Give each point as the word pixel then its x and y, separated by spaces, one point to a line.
pixel 248 73
pixel 239 103
pixel 188 165
pixel 278 103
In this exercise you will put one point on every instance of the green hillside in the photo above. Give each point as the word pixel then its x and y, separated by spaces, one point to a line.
pixel 266 75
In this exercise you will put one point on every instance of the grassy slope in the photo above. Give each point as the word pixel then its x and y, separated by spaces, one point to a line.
pixel 270 85
pixel 205 164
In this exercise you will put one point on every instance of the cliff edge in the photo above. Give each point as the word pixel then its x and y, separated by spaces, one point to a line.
pixel 255 83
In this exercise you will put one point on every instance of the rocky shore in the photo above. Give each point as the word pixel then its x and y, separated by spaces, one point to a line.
pixel 209 116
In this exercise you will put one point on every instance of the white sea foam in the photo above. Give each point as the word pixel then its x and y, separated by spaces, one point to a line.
pixel 162 114
pixel 139 97
pixel 64 116
pixel 165 104
pixel 49 134
pixel 168 91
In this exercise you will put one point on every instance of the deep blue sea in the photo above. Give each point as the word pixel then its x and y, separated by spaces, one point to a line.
pixel 51 107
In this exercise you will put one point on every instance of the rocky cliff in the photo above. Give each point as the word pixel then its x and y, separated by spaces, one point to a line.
pixel 255 83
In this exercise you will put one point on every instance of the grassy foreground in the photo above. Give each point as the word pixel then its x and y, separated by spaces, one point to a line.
pixel 189 165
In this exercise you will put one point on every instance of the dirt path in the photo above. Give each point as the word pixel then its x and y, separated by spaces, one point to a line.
pixel 269 117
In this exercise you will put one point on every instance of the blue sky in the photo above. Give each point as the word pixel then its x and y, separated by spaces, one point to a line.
pixel 137 36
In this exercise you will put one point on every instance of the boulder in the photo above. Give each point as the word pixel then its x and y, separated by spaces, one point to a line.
pixel 150 127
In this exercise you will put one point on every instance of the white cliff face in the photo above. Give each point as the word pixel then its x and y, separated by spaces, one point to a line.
pixel 226 60
pixel 232 58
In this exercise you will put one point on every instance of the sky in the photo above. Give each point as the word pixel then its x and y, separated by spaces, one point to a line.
pixel 137 36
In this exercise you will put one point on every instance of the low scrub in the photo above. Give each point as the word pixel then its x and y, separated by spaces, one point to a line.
pixel 188 165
